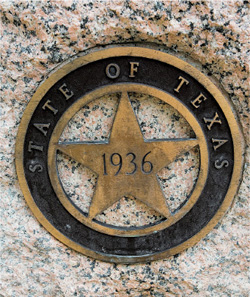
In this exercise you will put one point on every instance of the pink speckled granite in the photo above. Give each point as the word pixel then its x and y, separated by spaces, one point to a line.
pixel 36 36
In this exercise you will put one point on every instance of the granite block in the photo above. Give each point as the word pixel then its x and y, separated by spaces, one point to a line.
pixel 36 37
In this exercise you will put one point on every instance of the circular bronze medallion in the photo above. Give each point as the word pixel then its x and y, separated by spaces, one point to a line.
pixel 128 154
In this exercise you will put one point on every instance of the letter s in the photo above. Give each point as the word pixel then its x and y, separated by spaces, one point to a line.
pixel 219 164
pixel 36 167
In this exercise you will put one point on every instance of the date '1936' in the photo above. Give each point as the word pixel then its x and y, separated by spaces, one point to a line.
pixel 117 160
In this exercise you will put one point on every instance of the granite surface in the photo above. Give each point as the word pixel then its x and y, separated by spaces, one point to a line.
pixel 36 36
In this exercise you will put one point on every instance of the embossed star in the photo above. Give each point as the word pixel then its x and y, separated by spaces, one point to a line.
pixel 127 164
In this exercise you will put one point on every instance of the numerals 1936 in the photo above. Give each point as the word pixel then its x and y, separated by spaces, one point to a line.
pixel 117 161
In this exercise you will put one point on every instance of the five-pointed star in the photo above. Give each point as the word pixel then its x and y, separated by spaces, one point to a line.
pixel 126 140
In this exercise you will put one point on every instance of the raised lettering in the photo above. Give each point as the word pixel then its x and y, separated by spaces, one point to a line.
pixel 66 92
pixel 183 80
pixel 41 127
pixel 219 164
pixel 47 105
pixel 215 119
pixel 197 101
pixel 133 68
pixel 219 142
pixel 112 70
pixel 34 147
pixel 36 167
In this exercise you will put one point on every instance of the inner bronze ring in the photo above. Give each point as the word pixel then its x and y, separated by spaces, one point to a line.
pixel 119 88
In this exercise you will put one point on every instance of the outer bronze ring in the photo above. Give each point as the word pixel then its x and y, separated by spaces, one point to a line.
pixel 118 51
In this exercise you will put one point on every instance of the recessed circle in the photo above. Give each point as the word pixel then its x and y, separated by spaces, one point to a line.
pixel 109 90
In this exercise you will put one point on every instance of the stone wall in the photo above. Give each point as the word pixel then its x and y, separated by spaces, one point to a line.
pixel 36 36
